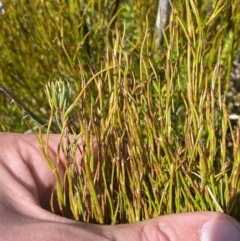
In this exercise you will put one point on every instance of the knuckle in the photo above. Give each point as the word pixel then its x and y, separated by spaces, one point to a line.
pixel 160 232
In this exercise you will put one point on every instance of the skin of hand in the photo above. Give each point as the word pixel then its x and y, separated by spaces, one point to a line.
pixel 26 185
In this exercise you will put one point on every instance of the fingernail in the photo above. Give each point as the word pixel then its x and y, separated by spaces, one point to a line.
pixel 220 230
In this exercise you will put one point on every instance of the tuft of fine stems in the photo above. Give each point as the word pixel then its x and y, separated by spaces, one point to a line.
pixel 152 124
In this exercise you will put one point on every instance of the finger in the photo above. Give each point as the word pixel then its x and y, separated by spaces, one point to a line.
pixel 52 146
pixel 21 156
pixel 199 226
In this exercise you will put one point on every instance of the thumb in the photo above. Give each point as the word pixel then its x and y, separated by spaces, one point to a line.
pixel 197 226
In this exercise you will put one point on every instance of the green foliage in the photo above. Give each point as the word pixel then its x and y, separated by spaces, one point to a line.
pixel 158 118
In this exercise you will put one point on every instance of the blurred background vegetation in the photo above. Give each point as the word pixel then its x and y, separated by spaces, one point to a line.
pixel 45 40
pixel 160 117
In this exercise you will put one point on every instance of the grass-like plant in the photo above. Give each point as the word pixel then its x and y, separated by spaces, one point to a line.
pixel 154 124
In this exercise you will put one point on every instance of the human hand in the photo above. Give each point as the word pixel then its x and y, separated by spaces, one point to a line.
pixel 26 185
